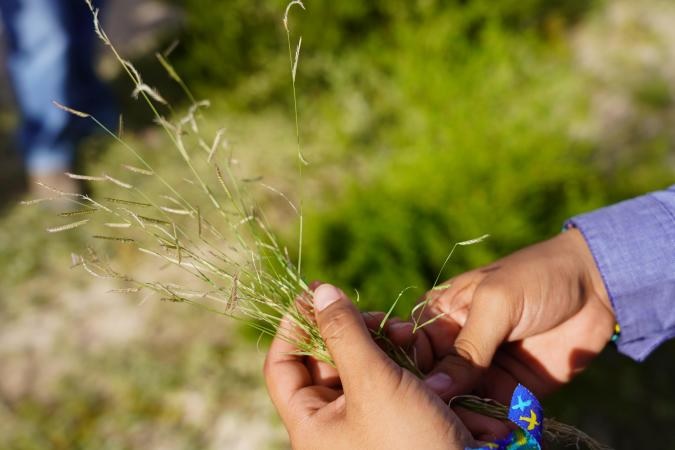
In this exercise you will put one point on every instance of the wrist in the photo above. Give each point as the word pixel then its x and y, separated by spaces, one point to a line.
pixel 590 279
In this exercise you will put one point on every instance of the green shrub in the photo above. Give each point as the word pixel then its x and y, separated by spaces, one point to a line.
pixel 226 42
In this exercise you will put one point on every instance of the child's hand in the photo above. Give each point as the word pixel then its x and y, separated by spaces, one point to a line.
pixel 547 301
pixel 375 405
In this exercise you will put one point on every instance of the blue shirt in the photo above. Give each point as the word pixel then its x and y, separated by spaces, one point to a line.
pixel 633 244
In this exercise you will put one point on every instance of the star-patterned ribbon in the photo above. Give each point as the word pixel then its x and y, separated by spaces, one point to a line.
pixel 526 412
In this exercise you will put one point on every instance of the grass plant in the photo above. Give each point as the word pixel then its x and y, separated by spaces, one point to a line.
pixel 224 240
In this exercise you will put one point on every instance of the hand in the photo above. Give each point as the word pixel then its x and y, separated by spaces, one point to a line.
pixel 538 317
pixel 375 404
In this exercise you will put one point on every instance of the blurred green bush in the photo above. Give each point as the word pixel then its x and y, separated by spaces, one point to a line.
pixel 225 42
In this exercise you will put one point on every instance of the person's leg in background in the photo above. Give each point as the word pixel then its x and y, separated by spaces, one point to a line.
pixel 86 92
pixel 51 58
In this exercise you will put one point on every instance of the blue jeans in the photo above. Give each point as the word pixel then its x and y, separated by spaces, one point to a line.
pixel 51 57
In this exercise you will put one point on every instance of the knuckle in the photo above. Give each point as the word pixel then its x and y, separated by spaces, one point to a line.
pixel 444 300
pixel 501 302
pixel 337 324
pixel 490 293
pixel 468 351
pixel 385 380
pixel 400 384
pixel 434 300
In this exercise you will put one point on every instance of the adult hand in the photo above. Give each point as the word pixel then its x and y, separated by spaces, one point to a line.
pixel 375 405
pixel 538 317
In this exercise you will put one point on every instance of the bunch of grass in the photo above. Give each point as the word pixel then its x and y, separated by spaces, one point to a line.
pixel 224 242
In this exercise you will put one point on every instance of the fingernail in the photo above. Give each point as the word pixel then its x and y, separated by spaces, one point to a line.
pixel 439 382
pixel 325 295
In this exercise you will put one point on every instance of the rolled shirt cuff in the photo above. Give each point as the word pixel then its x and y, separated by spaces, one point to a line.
pixel 633 244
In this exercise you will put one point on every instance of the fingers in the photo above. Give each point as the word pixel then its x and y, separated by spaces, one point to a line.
pixel 315 284
pixel 303 302
pixel 446 312
pixel 482 427
pixel 347 338
pixel 398 332
pixel 323 374
pixel 499 382
pixel 285 374
pixel 401 334
pixel 488 324
pixel 373 319
pixel 415 343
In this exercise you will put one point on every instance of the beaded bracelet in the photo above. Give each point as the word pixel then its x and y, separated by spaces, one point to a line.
pixel 617 333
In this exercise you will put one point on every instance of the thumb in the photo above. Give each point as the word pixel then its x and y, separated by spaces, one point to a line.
pixel 487 326
pixel 348 340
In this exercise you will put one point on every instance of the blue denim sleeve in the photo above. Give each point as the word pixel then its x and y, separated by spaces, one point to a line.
pixel 633 244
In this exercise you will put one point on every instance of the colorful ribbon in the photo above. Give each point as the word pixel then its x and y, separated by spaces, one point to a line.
pixel 526 412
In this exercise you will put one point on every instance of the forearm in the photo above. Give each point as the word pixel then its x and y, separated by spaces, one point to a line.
pixel 633 244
